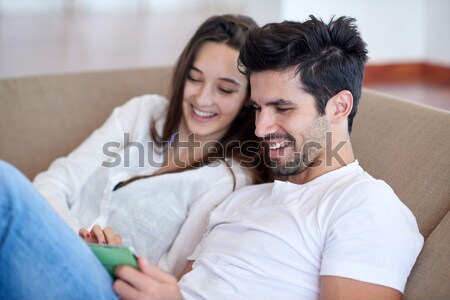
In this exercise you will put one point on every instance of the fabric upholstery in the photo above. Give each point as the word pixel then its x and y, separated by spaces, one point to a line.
pixel 430 276
pixel 45 117
pixel 408 146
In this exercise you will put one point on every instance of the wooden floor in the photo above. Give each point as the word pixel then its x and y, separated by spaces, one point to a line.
pixel 437 95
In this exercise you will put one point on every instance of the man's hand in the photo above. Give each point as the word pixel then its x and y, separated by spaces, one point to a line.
pixel 97 235
pixel 150 282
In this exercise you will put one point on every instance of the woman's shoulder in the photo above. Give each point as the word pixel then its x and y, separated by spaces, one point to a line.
pixel 140 111
pixel 146 102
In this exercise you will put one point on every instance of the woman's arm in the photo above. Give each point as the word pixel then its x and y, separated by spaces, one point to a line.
pixel 65 178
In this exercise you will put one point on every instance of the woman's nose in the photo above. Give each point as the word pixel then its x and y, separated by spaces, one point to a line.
pixel 204 96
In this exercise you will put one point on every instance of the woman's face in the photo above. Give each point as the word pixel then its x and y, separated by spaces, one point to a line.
pixel 214 92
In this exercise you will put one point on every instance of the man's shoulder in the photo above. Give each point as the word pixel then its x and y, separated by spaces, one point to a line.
pixel 362 184
pixel 371 198
pixel 370 187
pixel 354 191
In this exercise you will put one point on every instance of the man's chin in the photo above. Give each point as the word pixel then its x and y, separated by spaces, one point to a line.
pixel 283 168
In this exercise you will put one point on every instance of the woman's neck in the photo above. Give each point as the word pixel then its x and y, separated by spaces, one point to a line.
pixel 186 150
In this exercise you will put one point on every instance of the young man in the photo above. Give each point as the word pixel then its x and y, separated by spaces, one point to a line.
pixel 331 231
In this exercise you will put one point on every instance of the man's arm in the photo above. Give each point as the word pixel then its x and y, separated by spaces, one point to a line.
pixel 337 288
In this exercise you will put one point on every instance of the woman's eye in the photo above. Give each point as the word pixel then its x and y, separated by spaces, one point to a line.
pixel 191 78
pixel 226 91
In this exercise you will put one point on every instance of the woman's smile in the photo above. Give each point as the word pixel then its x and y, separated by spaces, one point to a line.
pixel 201 115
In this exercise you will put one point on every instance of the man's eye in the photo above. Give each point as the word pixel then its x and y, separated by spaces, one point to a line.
pixel 281 110
pixel 256 107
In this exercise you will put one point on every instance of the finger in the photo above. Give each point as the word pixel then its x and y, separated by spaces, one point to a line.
pixel 90 241
pixel 125 290
pixel 84 233
pixel 154 272
pixel 97 232
pixel 110 236
pixel 119 239
pixel 134 278
pixel 141 286
pixel 86 236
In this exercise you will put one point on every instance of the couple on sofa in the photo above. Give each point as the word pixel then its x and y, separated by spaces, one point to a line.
pixel 329 231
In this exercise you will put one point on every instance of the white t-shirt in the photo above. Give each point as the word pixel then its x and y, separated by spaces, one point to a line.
pixel 274 241
pixel 162 217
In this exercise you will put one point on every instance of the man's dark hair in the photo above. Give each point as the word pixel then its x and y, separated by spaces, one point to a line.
pixel 328 57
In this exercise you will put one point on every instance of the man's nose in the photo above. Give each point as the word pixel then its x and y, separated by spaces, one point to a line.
pixel 265 123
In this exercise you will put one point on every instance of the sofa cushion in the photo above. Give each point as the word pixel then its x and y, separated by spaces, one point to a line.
pixel 408 146
pixel 430 276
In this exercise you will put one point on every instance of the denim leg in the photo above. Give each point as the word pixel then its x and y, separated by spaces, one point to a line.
pixel 40 256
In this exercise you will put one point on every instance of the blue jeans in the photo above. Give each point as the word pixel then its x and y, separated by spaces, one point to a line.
pixel 40 256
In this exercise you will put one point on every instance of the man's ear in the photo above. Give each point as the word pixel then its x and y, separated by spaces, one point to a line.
pixel 339 106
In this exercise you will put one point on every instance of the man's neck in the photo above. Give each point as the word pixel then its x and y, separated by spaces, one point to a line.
pixel 327 162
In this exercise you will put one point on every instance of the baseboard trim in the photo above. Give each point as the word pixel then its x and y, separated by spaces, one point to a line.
pixel 406 73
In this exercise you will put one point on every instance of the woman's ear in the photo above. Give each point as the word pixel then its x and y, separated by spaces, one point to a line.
pixel 339 106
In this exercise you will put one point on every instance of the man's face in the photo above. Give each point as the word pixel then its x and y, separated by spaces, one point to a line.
pixel 287 119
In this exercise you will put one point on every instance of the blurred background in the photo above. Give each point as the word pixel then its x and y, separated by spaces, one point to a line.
pixel 408 40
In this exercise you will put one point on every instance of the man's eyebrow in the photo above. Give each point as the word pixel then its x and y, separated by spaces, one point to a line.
pixel 230 80
pixel 277 102
pixel 280 102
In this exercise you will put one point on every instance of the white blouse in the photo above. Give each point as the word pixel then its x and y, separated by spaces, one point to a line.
pixel 162 217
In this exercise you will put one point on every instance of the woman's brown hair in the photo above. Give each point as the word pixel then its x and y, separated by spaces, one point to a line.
pixel 239 142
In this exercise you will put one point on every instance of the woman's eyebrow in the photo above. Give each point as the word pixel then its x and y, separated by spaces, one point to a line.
pixel 196 69
pixel 230 80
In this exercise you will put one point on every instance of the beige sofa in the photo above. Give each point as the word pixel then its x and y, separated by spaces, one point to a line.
pixel 405 144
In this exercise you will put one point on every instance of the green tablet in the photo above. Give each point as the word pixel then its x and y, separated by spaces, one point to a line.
pixel 114 256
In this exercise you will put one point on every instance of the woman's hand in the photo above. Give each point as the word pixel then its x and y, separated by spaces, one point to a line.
pixel 150 282
pixel 97 235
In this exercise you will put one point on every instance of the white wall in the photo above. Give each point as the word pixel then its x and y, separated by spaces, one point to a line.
pixel 58 36
pixel 55 36
pixel 395 30
pixel 437 31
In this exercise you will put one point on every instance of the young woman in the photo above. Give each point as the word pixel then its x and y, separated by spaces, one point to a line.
pixel 156 168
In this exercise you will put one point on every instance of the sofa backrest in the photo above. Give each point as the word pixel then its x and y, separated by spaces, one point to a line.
pixel 45 117
pixel 408 146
